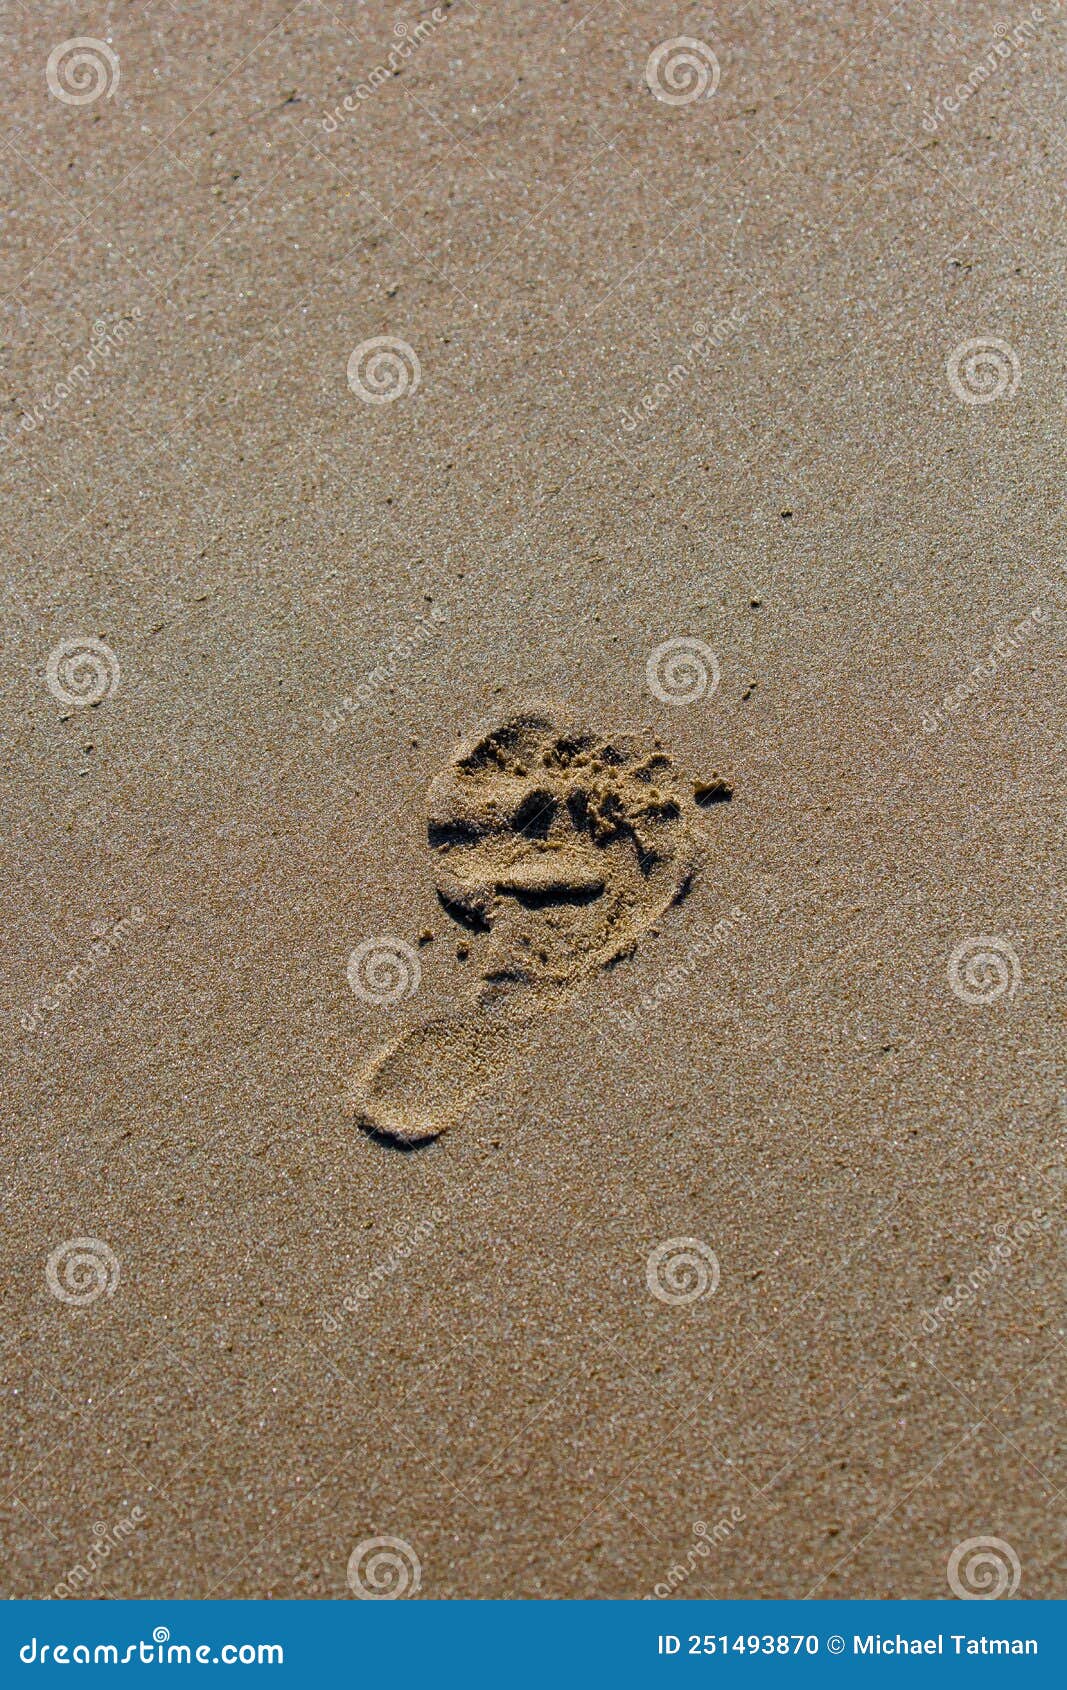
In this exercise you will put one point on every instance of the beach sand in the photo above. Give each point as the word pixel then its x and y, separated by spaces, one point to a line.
pixel 735 1270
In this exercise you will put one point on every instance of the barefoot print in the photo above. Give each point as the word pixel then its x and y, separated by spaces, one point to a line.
pixel 556 849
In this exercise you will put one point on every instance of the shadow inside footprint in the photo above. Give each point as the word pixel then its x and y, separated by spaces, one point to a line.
pixel 557 849
pixel 419 1085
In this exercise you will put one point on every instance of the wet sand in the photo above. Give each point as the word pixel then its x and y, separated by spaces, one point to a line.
pixel 739 1276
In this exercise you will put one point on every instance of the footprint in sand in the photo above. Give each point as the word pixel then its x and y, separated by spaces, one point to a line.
pixel 556 849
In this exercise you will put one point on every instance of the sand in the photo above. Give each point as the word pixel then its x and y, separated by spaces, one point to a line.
pixel 549 366
pixel 557 850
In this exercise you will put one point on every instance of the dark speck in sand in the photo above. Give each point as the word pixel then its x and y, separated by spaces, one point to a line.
pixel 713 791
